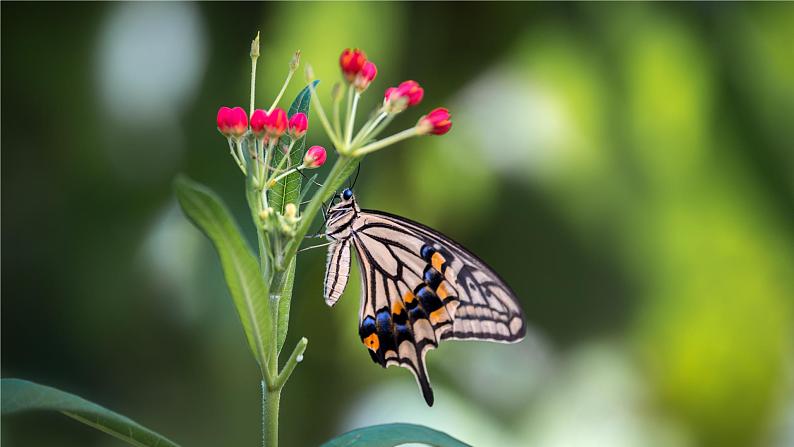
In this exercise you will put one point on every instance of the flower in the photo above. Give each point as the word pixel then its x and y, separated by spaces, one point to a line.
pixel 315 157
pixel 232 122
pixel 365 76
pixel 351 62
pixel 436 122
pixel 407 94
pixel 258 122
pixel 276 123
pixel 298 124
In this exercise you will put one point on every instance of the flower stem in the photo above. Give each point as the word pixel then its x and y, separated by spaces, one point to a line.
pixel 272 401
pixel 407 133
pixel 351 118
pixel 365 131
pixel 283 89
pixel 294 359
pixel 337 123
pixel 283 174
pixel 254 57
pixel 240 164
pixel 323 118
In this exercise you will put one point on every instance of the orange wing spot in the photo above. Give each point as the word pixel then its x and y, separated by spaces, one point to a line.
pixel 442 291
pixel 397 308
pixel 437 261
pixel 438 315
pixel 372 342
pixel 408 297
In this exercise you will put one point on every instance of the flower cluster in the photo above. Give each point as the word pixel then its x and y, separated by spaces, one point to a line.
pixel 254 142
pixel 358 73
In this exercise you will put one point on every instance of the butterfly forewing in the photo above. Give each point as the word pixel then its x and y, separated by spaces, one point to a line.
pixel 337 271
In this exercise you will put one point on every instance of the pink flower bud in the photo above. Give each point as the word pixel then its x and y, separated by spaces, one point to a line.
pixel 276 123
pixel 315 157
pixel 298 125
pixel 258 122
pixel 232 122
pixel 351 62
pixel 436 122
pixel 365 76
pixel 407 94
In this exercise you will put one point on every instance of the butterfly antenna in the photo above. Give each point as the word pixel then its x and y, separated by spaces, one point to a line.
pixel 317 234
pixel 311 180
pixel 355 179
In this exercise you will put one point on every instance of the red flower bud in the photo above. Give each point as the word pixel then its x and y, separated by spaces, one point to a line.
pixel 365 76
pixel 351 62
pixel 315 157
pixel 258 122
pixel 276 123
pixel 232 122
pixel 436 122
pixel 407 94
pixel 298 124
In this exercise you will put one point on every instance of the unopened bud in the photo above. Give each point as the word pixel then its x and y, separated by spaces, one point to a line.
pixel 298 124
pixel 437 122
pixel 315 157
pixel 309 73
pixel 295 61
pixel 365 76
pixel 290 211
pixel 255 46
pixel 336 91
pixel 232 122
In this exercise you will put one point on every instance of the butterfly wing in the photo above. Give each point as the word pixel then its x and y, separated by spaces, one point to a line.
pixel 337 270
pixel 420 287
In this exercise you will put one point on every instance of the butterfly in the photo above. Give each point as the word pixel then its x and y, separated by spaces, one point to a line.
pixel 418 287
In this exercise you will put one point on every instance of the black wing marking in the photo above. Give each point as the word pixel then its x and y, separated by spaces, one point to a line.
pixel 419 287
pixel 488 309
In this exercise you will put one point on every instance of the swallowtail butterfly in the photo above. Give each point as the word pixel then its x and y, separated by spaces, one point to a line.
pixel 418 288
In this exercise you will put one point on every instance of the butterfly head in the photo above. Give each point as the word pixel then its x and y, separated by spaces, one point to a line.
pixel 341 212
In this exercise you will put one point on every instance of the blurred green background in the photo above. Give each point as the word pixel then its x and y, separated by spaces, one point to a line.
pixel 628 168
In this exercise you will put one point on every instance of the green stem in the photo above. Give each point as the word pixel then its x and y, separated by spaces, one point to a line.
pixel 351 118
pixel 377 130
pixel 284 174
pixel 292 362
pixel 272 400
pixel 240 164
pixel 407 133
pixel 365 131
pixel 337 123
pixel 323 118
pixel 281 93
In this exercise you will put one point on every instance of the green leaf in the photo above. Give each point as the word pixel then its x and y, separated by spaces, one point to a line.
pixel 20 396
pixel 389 435
pixel 240 268
pixel 284 304
pixel 288 189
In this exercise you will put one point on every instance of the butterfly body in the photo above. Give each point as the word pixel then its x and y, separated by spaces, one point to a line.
pixel 418 288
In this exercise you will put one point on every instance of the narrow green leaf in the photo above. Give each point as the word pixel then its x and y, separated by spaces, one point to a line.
pixel 284 304
pixel 389 435
pixel 20 396
pixel 288 189
pixel 243 277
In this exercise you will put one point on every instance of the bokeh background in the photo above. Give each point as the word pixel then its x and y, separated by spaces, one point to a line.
pixel 628 168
